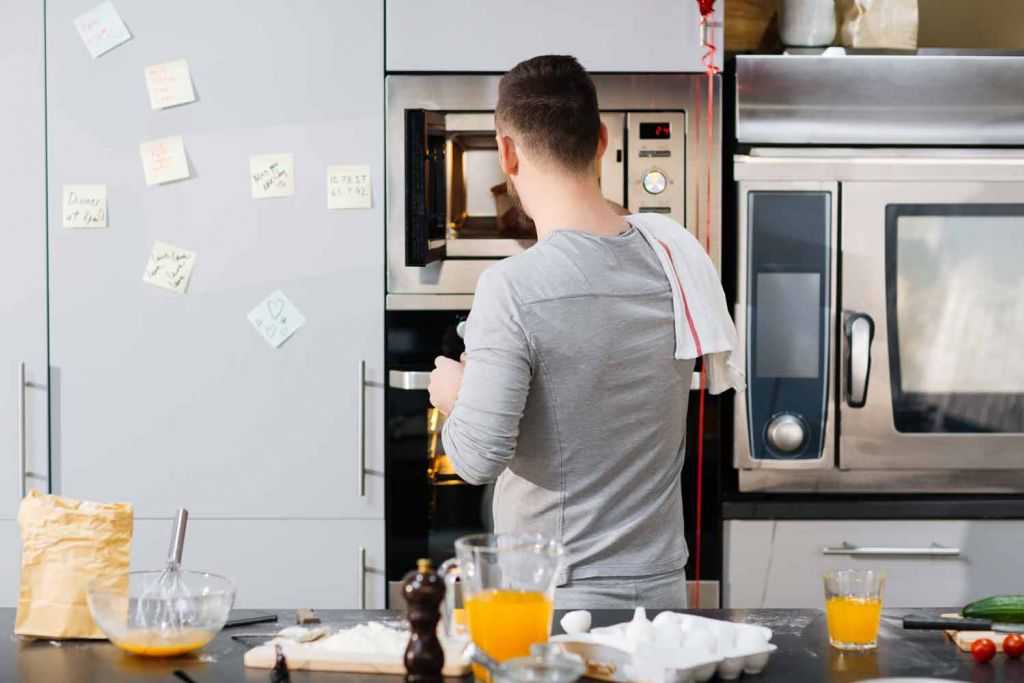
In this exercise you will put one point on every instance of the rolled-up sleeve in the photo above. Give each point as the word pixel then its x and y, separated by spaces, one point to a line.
pixel 481 433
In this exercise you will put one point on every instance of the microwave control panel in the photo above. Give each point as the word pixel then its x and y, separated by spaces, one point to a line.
pixel 656 166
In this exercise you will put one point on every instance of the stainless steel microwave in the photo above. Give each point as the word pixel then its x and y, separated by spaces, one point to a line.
pixel 880 309
pixel 448 216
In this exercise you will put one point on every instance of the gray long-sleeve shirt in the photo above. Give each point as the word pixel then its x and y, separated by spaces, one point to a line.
pixel 572 400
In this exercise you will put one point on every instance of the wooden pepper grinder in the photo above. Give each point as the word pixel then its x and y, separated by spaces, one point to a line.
pixel 423 590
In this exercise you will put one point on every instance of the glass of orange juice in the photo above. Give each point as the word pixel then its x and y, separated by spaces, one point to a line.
pixel 507 583
pixel 853 608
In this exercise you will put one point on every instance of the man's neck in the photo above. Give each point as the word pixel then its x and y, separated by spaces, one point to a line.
pixel 575 204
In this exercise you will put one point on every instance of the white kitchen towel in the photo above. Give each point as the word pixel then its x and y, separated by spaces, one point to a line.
pixel 703 324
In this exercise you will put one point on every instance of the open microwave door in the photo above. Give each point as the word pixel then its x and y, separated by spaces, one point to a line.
pixel 932 376
pixel 425 187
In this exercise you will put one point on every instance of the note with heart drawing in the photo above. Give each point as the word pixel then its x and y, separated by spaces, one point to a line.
pixel 276 318
pixel 169 267
pixel 101 29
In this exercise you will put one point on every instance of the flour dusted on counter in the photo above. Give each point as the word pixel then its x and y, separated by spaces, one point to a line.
pixel 373 638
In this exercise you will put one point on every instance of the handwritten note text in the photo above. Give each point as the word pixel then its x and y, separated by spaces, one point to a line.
pixel 84 206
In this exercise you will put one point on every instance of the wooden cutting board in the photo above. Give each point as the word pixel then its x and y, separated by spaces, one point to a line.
pixel 964 639
pixel 302 658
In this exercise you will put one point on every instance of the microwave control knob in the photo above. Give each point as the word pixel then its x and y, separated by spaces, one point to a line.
pixel 655 182
pixel 786 433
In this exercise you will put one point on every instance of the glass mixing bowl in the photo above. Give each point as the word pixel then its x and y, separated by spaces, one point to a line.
pixel 133 610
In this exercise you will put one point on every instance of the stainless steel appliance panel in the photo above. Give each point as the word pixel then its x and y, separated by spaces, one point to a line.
pixel 922 99
pixel 743 438
pixel 869 438
pixel 871 453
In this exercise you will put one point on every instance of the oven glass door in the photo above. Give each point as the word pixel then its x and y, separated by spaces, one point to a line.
pixel 932 372
pixel 425 187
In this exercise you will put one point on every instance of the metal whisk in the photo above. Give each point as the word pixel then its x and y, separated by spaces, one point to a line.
pixel 167 604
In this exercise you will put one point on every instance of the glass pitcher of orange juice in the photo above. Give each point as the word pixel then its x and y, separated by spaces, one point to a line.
pixel 508 588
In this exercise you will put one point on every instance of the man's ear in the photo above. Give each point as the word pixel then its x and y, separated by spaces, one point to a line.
pixel 602 141
pixel 507 155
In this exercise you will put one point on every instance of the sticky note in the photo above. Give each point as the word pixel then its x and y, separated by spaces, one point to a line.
pixel 101 29
pixel 272 175
pixel 276 318
pixel 348 187
pixel 169 84
pixel 169 267
pixel 84 206
pixel 164 160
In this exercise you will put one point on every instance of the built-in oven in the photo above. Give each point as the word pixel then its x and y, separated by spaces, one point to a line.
pixel 879 300
pixel 449 214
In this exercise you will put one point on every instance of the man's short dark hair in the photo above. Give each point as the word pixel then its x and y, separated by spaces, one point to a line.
pixel 551 104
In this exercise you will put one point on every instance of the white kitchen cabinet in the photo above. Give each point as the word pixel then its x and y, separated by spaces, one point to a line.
pixel 493 35
pixel 780 563
pixel 165 399
pixel 278 564
pixel 23 244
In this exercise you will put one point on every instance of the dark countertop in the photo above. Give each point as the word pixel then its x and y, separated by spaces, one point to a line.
pixel 803 655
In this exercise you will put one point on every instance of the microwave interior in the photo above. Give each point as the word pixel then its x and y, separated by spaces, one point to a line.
pixel 457 200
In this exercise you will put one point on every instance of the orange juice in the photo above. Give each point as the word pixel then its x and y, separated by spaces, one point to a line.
pixel 154 643
pixel 505 623
pixel 853 621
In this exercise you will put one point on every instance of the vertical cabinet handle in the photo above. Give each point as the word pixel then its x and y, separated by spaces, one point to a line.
pixel 860 329
pixel 362 578
pixel 362 428
pixel 22 454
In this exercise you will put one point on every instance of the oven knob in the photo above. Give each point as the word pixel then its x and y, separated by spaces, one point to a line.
pixel 786 433
pixel 460 329
pixel 655 182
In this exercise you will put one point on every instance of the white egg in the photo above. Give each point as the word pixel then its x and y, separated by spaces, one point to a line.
pixel 576 622
pixel 726 637
pixel 667 634
pixel 702 640
pixel 640 631
pixel 667 618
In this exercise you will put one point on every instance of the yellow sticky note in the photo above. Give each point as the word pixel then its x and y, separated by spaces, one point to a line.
pixel 348 187
pixel 164 160
pixel 169 84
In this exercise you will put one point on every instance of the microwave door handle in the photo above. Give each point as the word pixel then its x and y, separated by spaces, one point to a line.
pixel 408 380
pixel 860 330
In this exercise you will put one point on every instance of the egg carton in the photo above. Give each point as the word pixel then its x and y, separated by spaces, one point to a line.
pixel 673 648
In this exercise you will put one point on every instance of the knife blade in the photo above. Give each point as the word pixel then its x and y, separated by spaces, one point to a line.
pixel 921 623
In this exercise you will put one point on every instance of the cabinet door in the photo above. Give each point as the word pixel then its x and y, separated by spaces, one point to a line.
pixel 485 35
pixel 166 399
pixel 279 564
pixel 780 563
pixel 24 458
pixel 10 563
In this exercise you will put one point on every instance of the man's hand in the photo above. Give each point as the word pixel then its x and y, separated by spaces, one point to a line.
pixel 445 381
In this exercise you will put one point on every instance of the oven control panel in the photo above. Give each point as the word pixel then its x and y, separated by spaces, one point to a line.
pixel 656 165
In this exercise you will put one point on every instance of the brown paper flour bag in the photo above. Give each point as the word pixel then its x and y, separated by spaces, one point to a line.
pixel 65 544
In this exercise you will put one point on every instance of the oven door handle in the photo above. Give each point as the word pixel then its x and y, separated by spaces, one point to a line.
pixel 849 549
pixel 860 330
pixel 408 380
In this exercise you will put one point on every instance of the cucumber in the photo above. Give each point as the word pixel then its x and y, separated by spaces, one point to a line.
pixel 998 608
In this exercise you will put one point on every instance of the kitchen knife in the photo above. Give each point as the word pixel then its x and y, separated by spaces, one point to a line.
pixel 948 624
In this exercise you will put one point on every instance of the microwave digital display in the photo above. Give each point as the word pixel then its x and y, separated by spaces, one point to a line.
pixel 655 130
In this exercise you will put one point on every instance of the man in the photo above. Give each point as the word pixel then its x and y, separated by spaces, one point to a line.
pixel 570 396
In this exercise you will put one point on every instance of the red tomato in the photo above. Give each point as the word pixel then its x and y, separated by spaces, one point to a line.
pixel 983 650
pixel 1013 646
